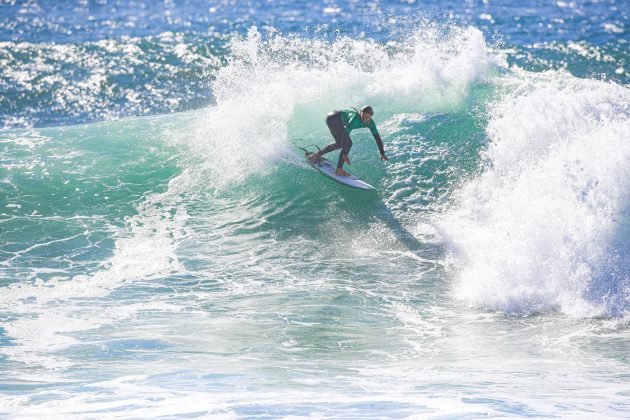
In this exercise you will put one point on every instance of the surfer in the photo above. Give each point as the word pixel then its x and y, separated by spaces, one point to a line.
pixel 341 123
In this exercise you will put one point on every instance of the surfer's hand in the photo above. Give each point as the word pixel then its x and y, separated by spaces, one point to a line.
pixel 383 157
pixel 346 159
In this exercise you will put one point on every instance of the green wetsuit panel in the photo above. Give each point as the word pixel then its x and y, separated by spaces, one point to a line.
pixel 352 120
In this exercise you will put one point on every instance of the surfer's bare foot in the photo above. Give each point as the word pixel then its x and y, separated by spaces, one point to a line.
pixel 313 157
pixel 346 159
pixel 341 172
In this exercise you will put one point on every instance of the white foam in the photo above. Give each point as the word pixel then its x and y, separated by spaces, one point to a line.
pixel 545 226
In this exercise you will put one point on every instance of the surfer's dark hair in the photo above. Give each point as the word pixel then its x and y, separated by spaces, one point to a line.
pixel 367 109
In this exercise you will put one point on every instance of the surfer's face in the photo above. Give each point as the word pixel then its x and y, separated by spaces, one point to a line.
pixel 365 117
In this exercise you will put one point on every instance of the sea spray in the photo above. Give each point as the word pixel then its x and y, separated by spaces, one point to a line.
pixel 276 88
pixel 545 225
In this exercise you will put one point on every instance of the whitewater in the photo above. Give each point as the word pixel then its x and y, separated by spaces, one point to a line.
pixel 166 252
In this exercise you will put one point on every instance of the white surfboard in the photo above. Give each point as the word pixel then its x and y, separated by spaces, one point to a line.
pixel 327 168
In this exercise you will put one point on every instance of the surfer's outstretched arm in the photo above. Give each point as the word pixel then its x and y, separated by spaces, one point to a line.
pixel 377 137
pixel 379 143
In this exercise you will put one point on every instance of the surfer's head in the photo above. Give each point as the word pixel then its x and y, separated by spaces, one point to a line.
pixel 366 114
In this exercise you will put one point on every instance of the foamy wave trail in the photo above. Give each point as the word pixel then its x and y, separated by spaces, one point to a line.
pixel 276 88
pixel 76 191
pixel 546 225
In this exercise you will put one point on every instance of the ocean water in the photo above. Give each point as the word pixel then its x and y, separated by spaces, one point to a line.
pixel 165 251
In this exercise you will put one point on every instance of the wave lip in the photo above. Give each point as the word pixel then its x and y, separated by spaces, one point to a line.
pixel 546 225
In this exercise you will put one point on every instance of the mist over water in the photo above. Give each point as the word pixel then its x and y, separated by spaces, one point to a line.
pixel 166 251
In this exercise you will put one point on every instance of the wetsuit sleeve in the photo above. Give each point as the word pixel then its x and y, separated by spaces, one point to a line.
pixel 377 137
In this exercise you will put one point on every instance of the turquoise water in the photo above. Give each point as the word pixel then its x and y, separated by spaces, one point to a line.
pixel 165 251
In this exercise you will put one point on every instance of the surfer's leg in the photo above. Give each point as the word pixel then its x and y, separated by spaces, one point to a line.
pixel 333 121
pixel 345 149
pixel 329 148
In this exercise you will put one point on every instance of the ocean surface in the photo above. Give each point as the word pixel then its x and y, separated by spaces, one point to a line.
pixel 166 252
